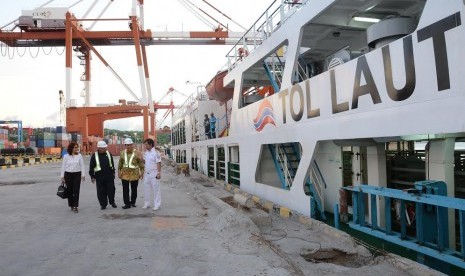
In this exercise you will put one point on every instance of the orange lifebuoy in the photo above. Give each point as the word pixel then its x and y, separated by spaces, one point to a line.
pixel 242 52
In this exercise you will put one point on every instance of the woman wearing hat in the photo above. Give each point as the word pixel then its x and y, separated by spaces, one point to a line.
pixel 130 170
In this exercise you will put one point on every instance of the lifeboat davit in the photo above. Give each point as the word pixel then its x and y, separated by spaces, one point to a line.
pixel 216 90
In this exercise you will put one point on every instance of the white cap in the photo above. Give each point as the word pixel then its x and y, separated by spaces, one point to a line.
pixel 101 144
pixel 128 141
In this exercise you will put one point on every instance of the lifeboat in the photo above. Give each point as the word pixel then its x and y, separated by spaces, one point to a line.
pixel 216 90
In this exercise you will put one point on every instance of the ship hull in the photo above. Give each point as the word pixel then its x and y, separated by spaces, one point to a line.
pixel 386 116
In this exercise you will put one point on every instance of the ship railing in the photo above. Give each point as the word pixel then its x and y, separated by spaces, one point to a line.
pixel 273 17
pixel 201 95
pixel 417 219
pixel 234 173
pixel 203 136
pixel 221 170
pixel 222 127
pixel 211 168
pixel 301 73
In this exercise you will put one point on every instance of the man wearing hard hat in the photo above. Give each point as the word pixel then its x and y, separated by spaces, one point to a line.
pixel 130 170
pixel 102 171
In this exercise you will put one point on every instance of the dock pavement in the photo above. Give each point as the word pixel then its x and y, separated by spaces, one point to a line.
pixel 198 230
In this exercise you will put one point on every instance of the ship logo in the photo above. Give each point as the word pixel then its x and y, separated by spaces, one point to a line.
pixel 265 116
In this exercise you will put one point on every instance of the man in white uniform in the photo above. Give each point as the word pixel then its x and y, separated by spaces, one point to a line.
pixel 152 175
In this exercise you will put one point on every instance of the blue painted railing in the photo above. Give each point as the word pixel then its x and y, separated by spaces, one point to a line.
pixel 430 218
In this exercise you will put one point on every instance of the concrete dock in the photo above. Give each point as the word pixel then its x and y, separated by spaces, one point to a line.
pixel 196 232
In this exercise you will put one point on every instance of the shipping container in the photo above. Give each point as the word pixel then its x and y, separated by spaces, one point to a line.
pixel 60 129
pixel 49 129
pixel 45 143
pixel 76 137
pixel 62 143
pixel 62 136
pixel 46 136
pixel 52 150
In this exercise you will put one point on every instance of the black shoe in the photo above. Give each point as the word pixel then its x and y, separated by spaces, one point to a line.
pixel 126 206
pixel 103 207
pixel 113 205
pixel 133 205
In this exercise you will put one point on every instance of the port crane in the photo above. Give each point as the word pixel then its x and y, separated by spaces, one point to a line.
pixel 20 127
pixel 46 27
pixel 168 106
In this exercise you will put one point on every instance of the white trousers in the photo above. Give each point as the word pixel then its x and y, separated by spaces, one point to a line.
pixel 152 185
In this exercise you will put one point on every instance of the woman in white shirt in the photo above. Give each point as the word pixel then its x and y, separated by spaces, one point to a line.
pixel 72 172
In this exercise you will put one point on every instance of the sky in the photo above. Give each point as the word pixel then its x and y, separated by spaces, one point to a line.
pixel 30 78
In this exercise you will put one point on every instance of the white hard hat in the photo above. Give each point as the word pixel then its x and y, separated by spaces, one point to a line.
pixel 128 141
pixel 101 144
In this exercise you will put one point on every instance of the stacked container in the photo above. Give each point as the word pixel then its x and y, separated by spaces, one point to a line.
pixel 61 137
pixel 113 140
pixel 45 141
pixel 76 138
pixel 3 138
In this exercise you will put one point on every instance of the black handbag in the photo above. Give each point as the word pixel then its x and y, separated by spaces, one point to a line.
pixel 62 191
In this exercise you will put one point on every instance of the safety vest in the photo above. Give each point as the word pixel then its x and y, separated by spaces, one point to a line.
pixel 129 164
pixel 97 162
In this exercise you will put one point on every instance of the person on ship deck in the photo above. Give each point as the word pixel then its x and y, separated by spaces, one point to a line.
pixel 206 125
pixel 212 126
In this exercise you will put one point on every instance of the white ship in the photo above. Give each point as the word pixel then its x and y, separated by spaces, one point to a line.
pixel 334 93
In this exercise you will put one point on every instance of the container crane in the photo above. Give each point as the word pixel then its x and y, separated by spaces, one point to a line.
pixel 47 26
pixel 20 128
pixel 170 107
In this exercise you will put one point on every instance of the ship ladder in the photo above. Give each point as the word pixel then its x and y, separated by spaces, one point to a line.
pixel 275 73
pixel 271 77
pixel 284 160
pixel 316 183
